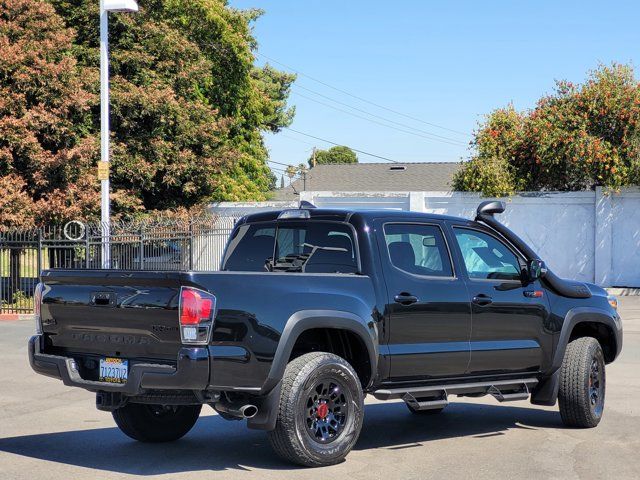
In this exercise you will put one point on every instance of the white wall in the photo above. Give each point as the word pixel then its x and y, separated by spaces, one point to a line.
pixel 588 236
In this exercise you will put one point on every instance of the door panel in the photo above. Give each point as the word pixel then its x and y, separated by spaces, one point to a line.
pixel 508 333
pixel 428 306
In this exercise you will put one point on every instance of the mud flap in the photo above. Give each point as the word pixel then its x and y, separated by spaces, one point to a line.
pixel 268 406
pixel 546 392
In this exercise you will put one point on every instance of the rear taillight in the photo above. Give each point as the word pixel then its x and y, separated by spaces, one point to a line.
pixel 197 309
pixel 37 305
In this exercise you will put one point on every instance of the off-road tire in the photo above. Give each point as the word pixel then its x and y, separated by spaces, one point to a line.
pixel 155 423
pixel 574 395
pixel 292 437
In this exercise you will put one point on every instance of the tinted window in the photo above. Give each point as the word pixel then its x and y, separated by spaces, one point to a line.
pixel 485 257
pixel 315 247
pixel 312 247
pixel 418 249
pixel 250 248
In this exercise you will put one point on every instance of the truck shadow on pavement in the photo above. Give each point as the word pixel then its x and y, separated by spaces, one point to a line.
pixel 215 444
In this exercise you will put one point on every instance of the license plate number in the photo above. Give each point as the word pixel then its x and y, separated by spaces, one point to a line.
pixel 114 370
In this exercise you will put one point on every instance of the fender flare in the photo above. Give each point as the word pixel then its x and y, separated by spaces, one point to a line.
pixel 579 315
pixel 307 319
pixel 546 392
pixel 297 323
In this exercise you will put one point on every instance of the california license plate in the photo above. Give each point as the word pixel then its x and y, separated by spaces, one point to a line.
pixel 114 370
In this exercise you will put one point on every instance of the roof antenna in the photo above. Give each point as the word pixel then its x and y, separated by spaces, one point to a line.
pixel 305 204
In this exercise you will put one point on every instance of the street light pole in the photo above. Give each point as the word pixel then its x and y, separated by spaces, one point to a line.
pixel 107 6
pixel 105 213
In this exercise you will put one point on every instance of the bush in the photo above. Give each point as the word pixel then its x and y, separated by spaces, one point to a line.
pixel 577 138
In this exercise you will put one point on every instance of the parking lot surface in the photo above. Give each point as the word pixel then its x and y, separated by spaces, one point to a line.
pixel 50 431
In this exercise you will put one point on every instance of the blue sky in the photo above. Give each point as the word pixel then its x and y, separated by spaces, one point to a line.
pixel 447 63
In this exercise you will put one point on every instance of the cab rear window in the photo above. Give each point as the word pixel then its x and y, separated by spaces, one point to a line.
pixel 305 247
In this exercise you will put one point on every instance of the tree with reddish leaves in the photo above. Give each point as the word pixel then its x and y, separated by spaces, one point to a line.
pixel 577 138
pixel 46 151
pixel 188 108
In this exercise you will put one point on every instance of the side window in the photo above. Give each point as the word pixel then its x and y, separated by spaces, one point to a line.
pixel 250 249
pixel 486 257
pixel 418 249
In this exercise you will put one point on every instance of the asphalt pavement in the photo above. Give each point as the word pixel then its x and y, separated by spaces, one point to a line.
pixel 49 431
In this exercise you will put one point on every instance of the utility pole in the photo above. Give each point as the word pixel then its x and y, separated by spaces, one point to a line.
pixel 302 170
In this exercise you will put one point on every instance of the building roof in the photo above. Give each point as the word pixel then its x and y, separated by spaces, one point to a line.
pixel 374 177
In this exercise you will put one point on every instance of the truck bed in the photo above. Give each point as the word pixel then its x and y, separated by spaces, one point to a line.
pixel 133 315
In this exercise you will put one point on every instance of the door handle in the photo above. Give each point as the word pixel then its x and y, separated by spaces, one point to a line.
pixel 405 298
pixel 482 299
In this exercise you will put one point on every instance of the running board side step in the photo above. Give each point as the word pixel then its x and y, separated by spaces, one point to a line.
pixel 501 396
pixel 429 403
pixel 436 396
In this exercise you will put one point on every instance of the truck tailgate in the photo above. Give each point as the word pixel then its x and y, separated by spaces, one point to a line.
pixel 112 313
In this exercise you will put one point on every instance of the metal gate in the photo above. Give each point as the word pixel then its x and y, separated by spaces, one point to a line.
pixel 196 244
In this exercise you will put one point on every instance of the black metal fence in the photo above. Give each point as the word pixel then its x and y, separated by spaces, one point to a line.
pixel 196 244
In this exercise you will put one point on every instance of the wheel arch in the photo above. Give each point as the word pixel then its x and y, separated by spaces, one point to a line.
pixel 579 322
pixel 307 320
pixel 589 322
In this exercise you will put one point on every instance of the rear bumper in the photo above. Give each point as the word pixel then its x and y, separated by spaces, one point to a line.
pixel 191 372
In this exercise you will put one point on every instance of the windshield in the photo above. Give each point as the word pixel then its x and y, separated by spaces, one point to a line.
pixel 307 247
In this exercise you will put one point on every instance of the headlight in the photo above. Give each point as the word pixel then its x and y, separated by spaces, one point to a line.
pixel 613 301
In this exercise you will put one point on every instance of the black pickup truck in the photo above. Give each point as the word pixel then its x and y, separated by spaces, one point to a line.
pixel 315 308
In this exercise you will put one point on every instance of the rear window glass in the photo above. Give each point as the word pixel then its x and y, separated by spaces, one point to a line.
pixel 308 247
pixel 418 249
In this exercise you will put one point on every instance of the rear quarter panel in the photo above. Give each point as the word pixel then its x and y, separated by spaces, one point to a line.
pixel 253 309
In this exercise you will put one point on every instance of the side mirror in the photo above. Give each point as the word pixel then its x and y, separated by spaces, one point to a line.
pixel 537 269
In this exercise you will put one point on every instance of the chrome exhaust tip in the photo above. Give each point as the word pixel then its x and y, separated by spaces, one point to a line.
pixel 236 411
pixel 248 411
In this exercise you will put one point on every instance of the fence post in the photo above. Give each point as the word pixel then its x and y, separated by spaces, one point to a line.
pixel 190 245
pixel 603 238
pixel 87 247
pixel 141 246
pixel 39 262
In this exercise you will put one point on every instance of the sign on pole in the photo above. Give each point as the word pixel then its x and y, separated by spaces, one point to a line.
pixel 103 170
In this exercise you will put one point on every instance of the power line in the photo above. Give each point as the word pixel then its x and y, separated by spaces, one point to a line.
pixel 341 144
pixel 371 114
pixel 280 163
pixel 360 98
pixel 294 138
pixel 449 142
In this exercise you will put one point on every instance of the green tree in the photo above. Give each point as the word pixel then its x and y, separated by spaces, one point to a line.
pixel 188 108
pixel 46 150
pixel 338 154
pixel 188 105
pixel 579 137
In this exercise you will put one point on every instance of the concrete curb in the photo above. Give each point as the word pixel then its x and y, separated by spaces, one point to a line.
pixel 624 291
pixel 11 317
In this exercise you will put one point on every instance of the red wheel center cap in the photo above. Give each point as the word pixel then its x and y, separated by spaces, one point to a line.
pixel 322 411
